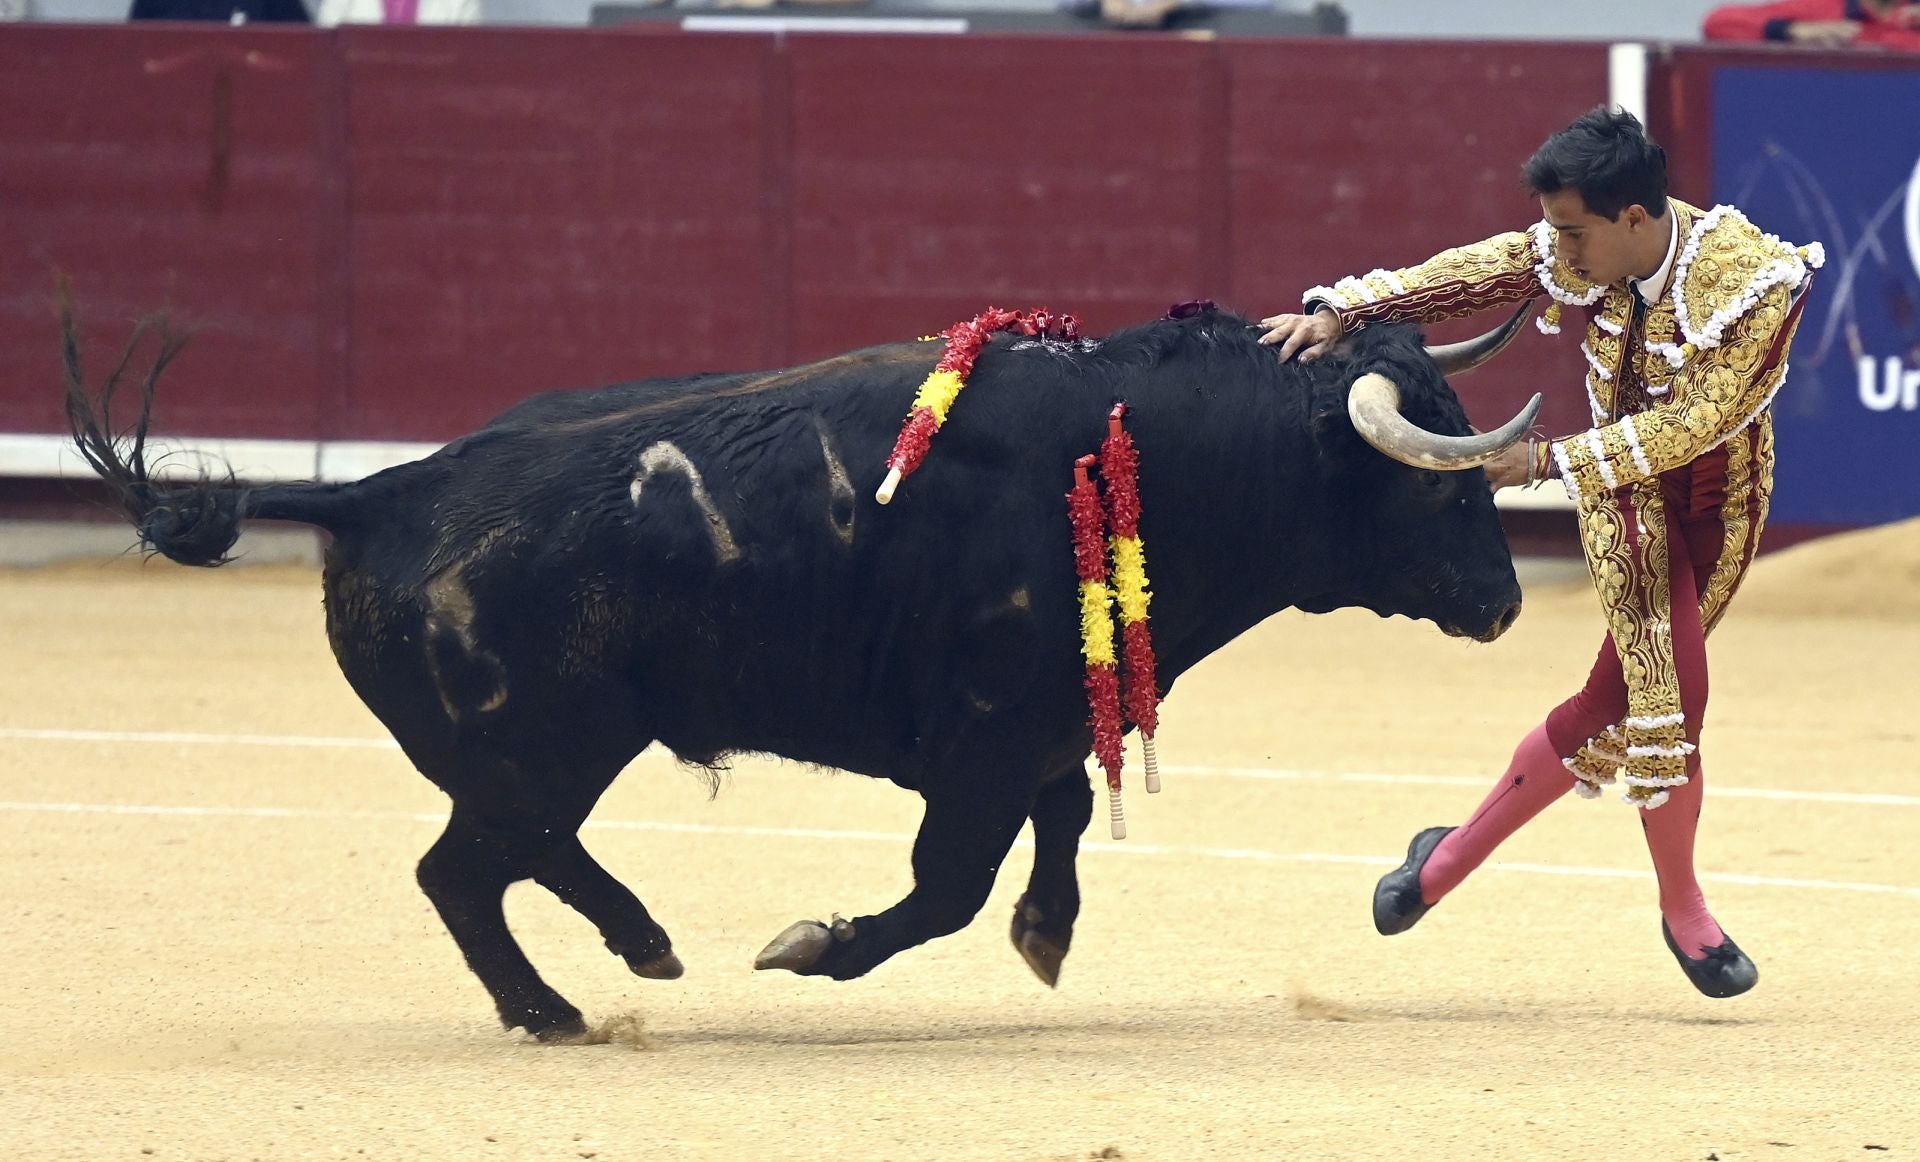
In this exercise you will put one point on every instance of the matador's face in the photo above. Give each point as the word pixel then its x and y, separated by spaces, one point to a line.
pixel 1604 250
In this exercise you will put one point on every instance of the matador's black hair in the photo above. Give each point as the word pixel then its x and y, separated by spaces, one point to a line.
pixel 1608 157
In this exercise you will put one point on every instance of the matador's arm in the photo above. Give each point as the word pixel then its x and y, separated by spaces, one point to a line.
pixel 1718 392
pixel 1504 269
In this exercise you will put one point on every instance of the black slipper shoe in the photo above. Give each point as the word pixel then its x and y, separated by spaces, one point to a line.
pixel 1724 971
pixel 1397 905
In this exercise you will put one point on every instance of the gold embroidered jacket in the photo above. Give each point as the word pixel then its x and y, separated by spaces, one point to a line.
pixel 1668 384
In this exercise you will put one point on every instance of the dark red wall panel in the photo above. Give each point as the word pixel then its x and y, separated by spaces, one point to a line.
pixel 934 176
pixel 538 210
pixel 1364 154
pixel 394 233
pixel 195 169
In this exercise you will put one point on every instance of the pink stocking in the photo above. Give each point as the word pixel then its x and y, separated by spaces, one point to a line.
pixel 1534 779
pixel 1670 829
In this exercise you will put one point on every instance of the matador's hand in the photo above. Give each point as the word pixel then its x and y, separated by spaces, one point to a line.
pixel 1509 468
pixel 1309 336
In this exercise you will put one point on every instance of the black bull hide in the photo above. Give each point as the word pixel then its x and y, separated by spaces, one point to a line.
pixel 701 562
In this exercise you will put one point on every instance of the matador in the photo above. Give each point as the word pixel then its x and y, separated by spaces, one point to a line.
pixel 1688 315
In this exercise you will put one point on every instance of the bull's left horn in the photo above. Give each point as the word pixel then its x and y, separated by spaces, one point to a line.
pixel 1374 406
pixel 1460 358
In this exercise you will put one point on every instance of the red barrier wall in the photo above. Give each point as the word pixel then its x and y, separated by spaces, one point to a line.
pixel 540 211
pixel 161 166
pixel 393 233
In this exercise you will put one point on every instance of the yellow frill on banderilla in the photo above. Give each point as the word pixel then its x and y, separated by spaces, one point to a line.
pixel 1096 623
pixel 1130 578
pixel 937 393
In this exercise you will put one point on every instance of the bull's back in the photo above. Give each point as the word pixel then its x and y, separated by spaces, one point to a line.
pixel 712 555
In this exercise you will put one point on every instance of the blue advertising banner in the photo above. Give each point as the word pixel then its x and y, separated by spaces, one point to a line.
pixel 1833 156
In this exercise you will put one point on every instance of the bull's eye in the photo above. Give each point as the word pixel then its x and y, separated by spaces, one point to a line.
pixel 1431 479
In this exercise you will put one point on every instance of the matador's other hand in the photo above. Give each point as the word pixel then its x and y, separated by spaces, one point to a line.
pixel 1308 336
pixel 1509 468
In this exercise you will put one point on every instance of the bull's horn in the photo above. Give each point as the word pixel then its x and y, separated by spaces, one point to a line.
pixel 1374 407
pixel 1460 358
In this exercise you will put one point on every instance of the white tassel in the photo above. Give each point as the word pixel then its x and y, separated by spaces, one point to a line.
pixel 1153 763
pixel 1116 819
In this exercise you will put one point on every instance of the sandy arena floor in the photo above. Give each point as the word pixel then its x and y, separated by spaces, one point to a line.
pixel 214 949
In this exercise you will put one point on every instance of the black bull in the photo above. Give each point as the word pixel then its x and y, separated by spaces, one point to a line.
pixel 701 562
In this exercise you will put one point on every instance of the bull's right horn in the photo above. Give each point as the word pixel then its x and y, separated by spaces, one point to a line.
pixel 1460 358
pixel 1374 406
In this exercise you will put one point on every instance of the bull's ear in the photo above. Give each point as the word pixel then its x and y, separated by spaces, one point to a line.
pixel 1333 434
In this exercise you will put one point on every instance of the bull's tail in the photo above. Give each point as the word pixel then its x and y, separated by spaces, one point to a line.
pixel 192 521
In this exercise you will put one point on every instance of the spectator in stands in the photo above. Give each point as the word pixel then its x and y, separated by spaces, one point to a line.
pixel 1887 24
pixel 1137 13
pixel 399 12
pixel 226 11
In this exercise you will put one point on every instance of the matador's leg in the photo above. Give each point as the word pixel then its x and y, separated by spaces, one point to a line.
pixel 1670 828
pixel 1535 777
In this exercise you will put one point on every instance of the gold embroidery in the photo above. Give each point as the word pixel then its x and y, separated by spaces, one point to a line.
pixel 1707 400
pixel 1660 324
pixel 1630 574
pixel 1654 716
pixel 1611 351
pixel 1760 474
pixel 1603 534
pixel 1719 389
pixel 1456 282
pixel 1598 762
pixel 1732 562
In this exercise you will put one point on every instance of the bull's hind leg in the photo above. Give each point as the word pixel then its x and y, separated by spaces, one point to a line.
pixel 579 881
pixel 964 836
pixel 516 828
pixel 466 874
pixel 1043 918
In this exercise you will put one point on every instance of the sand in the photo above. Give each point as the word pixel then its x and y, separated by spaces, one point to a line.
pixel 214 948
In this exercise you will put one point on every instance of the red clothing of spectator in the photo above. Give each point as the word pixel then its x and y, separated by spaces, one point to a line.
pixel 1897 29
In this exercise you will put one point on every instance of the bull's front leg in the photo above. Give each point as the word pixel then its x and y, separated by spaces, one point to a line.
pixel 1043 918
pixel 964 836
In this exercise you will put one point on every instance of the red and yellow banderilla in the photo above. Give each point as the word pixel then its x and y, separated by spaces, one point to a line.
pixel 1096 631
pixel 1126 678
pixel 942 386
pixel 1120 470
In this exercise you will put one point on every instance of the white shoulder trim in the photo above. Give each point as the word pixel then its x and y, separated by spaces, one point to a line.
pixel 1788 267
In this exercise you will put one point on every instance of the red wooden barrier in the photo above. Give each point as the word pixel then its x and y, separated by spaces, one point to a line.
pixel 541 210
pixel 392 233
pixel 171 166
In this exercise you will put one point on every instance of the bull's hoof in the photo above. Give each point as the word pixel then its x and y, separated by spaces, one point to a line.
pixel 1043 954
pixel 798 948
pixel 665 966
pixel 568 1032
